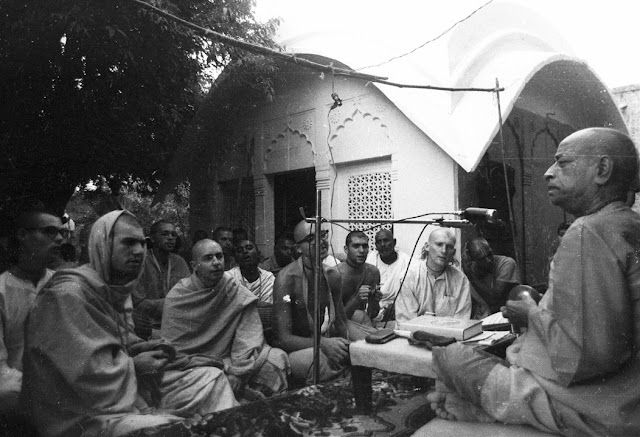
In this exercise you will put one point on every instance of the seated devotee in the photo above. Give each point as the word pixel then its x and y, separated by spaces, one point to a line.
pixel 85 372
pixel 491 277
pixel 282 255
pixel 213 314
pixel 38 237
pixel 162 269
pixel 224 237
pixel 433 286
pixel 392 264
pixel 357 281
pixel 258 281
pixel 293 309
pixel 576 369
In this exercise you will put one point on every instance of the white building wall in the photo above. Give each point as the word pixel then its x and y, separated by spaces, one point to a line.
pixel 367 134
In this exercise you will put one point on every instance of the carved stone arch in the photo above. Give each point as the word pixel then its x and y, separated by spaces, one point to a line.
pixel 358 134
pixel 288 143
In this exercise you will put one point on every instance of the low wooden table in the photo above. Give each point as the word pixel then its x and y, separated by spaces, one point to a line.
pixel 396 356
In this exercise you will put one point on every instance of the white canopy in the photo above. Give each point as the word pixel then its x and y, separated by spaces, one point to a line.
pixel 503 41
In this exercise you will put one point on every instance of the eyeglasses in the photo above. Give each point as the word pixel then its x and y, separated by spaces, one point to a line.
pixel 52 231
pixel 168 234
pixel 312 237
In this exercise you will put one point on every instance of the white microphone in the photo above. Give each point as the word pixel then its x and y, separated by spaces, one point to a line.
pixel 476 214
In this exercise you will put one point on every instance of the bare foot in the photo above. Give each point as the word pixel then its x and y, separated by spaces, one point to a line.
pixel 450 406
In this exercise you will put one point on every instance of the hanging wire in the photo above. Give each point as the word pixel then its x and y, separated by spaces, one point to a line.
pixel 292 58
pixel 429 41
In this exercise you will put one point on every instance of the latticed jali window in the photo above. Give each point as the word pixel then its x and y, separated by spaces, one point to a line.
pixel 370 198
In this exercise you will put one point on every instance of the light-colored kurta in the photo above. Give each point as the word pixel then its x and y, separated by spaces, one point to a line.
pixel 16 298
pixel 576 370
pixel 448 295
pixel 391 276
pixel 79 377
pixel 223 322
pixel 262 287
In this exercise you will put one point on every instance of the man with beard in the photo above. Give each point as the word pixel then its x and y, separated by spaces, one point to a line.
pixel 293 309
pixel 282 255
pixel 258 281
pixel 38 236
pixel 357 281
pixel 434 286
pixel 491 277
pixel 85 372
pixel 224 237
pixel 162 270
pixel 213 314
pixel 392 264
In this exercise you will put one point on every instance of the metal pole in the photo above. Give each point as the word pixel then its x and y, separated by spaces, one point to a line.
pixel 506 183
pixel 441 222
pixel 316 292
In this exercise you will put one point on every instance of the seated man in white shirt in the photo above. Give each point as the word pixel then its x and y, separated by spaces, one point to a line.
pixel 434 286
pixel 392 264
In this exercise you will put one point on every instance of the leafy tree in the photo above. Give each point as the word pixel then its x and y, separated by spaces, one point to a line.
pixel 105 88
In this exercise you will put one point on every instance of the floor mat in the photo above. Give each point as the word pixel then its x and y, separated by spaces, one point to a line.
pixel 400 407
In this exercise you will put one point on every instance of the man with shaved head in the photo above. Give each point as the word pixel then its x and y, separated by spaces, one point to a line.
pixel 85 371
pixel 576 370
pixel 293 309
pixel 434 286
pixel 213 314
pixel 392 264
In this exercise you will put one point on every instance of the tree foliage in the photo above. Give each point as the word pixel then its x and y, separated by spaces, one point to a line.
pixel 106 88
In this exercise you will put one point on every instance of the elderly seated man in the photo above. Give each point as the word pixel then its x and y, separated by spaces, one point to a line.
pixel 434 286
pixel 576 369
pixel 86 372
pixel 213 314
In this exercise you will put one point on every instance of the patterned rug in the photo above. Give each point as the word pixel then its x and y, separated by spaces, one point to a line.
pixel 399 409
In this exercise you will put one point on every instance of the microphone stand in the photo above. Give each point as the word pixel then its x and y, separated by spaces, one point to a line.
pixel 318 220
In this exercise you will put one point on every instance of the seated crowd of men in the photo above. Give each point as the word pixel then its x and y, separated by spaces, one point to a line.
pixel 136 338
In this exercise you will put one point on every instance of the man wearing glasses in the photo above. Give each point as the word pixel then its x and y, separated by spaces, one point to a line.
pixel 162 269
pixel 293 309
pixel 37 241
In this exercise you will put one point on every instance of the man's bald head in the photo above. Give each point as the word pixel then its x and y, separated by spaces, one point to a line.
pixel 304 236
pixel 301 230
pixel 208 262
pixel 384 233
pixel 593 167
pixel 201 246
pixel 600 141
pixel 440 248
pixel 440 233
